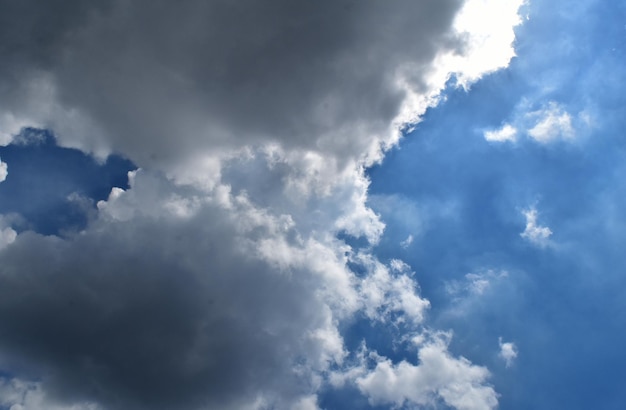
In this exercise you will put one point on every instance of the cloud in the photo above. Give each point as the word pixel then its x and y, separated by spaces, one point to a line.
pixel 508 352
pixel 439 377
pixel 506 133
pixel 299 76
pixel 151 308
pixel 407 242
pixel 17 394
pixel 7 233
pixel 546 125
pixel 475 283
pixel 552 123
pixel 3 171
pixel 534 233
pixel 217 278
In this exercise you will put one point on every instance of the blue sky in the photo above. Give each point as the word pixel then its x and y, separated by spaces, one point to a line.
pixel 204 217
pixel 462 199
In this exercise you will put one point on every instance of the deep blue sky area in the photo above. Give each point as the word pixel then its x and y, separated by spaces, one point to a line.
pixel 54 188
pixel 462 199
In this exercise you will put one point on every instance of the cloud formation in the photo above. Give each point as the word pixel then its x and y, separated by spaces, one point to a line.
pixel 506 133
pixel 546 125
pixel 217 280
pixel 437 378
pixel 3 171
pixel 508 352
pixel 551 123
pixel 533 232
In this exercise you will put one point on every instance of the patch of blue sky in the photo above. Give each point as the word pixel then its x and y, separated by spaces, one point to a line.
pixel 557 294
pixel 52 190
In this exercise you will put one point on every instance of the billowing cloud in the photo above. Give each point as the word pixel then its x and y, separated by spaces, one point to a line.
pixel 438 378
pixel 217 280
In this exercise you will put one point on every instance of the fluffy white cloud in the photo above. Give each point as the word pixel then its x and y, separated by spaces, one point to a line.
pixel 217 279
pixel 506 133
pixel 552 123
pixel 490 26
pixel 533 232
pixel 508 352
pixel 439 377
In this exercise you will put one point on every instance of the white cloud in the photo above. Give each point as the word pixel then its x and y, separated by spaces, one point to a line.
pixel 547 125
pixel 489 25
pixel 508 352
pixel 506 133
pixel 4 171
pixel 438 377
pixel 552 123
pixel 386 292
pixel 533 232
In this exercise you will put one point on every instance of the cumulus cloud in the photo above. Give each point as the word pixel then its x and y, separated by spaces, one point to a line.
pixel 437 378
pixel 508 352
pixel 217 279
pixel 333 76
pixel 533 232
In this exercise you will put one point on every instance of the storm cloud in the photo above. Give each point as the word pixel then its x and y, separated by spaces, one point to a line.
pixel 219 278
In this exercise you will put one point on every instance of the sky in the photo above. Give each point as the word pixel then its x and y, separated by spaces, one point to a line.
pixel 415 204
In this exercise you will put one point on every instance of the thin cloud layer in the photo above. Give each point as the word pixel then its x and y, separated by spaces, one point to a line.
pixel 218 279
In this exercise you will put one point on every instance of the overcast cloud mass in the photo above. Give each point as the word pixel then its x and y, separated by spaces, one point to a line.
pixel 232 267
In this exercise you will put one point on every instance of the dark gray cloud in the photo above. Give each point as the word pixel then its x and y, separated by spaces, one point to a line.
pixel 156 313
pixel 162 80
